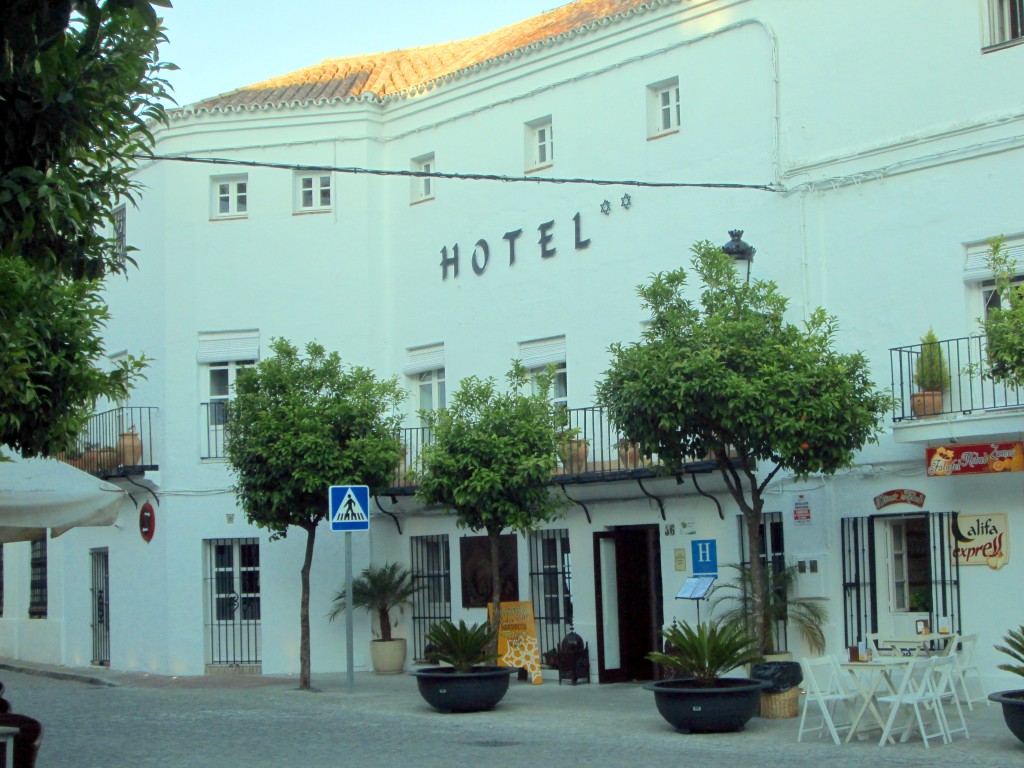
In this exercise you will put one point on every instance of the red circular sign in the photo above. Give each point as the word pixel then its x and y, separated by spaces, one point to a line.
pixel 147 521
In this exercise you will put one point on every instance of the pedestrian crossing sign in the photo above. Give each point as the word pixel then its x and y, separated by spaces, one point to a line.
pixel 349 508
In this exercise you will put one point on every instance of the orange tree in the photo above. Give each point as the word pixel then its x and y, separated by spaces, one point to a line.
pixel 491 457
pixel 728 372
pixel 298 425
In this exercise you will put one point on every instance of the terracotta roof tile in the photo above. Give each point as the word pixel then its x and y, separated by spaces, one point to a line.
pixel 380 75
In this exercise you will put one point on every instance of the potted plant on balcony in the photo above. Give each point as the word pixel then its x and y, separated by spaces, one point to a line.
pixel 1012 701
pixel 379 590
pixel 629 454
pixel 469 683
pixel 931 375
pixel 702 700
pixel 573 451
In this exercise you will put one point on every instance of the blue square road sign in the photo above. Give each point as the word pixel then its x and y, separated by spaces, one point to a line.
pixel 349 507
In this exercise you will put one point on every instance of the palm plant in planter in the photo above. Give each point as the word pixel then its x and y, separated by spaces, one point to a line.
pixel 931 375
pixel 1013 701
pixel 379 590
pixel 703 700
pixel 733 602
pixel 470 683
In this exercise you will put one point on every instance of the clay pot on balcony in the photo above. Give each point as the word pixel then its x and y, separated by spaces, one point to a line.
pixel 926 403
pixel 574 455
pixel 129 449
pixel 629 454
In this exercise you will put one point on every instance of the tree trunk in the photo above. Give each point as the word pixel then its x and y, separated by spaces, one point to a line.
pixel 752 517
pixel 384 619
pixel 495 539
pixel 307 563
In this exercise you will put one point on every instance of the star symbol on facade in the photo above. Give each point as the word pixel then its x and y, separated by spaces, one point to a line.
pixel 626 201
pixel 606 208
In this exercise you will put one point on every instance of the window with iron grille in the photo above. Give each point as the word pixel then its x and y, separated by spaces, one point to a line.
pixel 121 230
pixel 551 585
pixel 233 610
pixel 431 570
pixel 1005 22
pixel 37 582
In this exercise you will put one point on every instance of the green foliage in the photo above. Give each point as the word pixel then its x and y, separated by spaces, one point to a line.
pixel 732 601
pixel 708 652
pixel 50 348
pixel 727 371
pixel 464 647
pixel 1014 648
pixel 930 371
pixel 76 92
pixel 299 425
pixel 1004 326
pixel 378 590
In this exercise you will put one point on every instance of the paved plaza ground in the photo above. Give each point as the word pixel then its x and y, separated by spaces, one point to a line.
pixel 98 719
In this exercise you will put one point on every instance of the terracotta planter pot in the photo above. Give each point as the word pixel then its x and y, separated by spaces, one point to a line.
pixel 629 456
pixel 99 459
pixel 923 404
pixel 129 449
pixel 574 455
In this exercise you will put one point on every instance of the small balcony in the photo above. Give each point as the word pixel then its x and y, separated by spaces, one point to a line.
pixel 969 405
pixel 214 415
pixel 116 443
pixel 598 453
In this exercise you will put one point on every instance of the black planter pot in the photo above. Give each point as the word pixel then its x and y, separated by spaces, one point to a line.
pixel 477 691
pixel 1013 710
pixel 693 709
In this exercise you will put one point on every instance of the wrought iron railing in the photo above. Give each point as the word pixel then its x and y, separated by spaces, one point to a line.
pixel 967 385
pixel 115 443
pixel 214 415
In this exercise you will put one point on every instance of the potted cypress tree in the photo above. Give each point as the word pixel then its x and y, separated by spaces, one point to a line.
pixel 379 590
pixel 931 375
pixel 703 700
pixel 1012 701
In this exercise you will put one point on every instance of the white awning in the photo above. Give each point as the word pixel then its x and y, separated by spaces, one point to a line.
pixel 41 494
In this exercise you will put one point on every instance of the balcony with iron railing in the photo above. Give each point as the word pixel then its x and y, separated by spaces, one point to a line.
pixel 116 443
pixel 969 397
pixel 598 452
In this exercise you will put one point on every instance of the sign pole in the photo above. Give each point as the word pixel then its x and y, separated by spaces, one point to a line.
pixel 348 611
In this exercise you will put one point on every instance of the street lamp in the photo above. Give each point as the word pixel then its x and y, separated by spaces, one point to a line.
pixel 739 250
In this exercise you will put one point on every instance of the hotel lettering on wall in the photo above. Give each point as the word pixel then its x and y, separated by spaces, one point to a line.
pixel 952 460
pixel 480 258
pixel 980 540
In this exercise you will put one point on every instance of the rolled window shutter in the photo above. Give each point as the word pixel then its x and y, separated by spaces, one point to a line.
pixel 542 352
pixel 420 359
pixel 976 267
pixel 228 346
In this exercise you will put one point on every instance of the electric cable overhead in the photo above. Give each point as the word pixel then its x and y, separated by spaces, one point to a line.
pixel 458 176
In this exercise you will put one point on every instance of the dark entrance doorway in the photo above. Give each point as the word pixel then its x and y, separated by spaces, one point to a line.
pixel 627 581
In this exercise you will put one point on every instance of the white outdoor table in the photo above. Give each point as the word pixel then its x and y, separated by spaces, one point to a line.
pixel 919 642
pixel 880 671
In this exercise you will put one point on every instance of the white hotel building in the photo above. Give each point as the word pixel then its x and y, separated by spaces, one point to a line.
pixel 888 155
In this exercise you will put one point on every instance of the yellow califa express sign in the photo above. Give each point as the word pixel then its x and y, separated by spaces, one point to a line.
pixel 981 540
pixel 517 638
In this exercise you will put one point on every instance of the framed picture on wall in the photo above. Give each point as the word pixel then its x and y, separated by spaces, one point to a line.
pixel 922 627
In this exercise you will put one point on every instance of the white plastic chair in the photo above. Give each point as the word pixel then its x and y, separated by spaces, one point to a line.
pixel 916 691
pixel 966 665
pixel 825 692
pixel 944 677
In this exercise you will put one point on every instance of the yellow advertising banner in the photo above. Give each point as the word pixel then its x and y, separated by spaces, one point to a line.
pixel 981 540
pixel 517 638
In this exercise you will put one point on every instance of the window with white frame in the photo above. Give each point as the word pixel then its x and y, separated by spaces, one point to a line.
pixel 1004 22
pixel 229 196
pixel 424 368
pixel 423 186
pixel 540 144
pixel 312 192
pixel 663 111
pixel 222 355
pixel 539 355
pixel 978 273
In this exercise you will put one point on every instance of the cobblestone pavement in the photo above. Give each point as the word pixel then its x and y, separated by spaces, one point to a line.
pixel 144 720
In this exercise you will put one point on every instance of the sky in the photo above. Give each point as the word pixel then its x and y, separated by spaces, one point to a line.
pixel 221 45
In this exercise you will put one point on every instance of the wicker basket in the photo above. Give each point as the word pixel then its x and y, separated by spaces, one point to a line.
pixel 775 706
